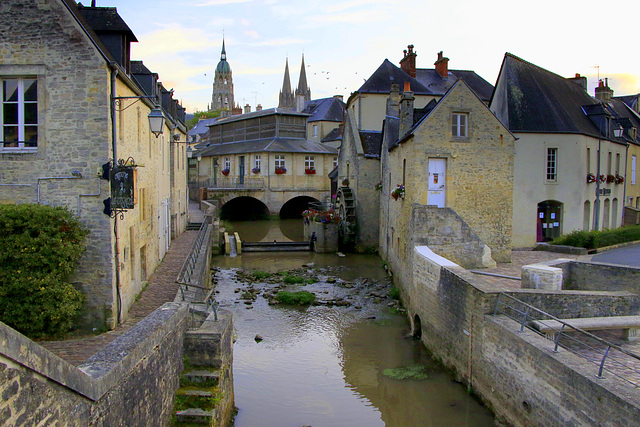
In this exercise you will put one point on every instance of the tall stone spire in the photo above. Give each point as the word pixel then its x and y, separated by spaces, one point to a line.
pixel 222 98
pixel 303 92
pixel 287 100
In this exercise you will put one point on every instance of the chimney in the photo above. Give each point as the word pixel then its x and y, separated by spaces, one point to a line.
pixel 442 65
pixel 392 122
pixel 408 63
pixel 339 97
pixel 603 92
pixel 406 110
pixel 579 80
pixel 259 107
pixel 247 108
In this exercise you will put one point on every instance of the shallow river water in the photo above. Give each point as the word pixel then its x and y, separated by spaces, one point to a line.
pixel 324 365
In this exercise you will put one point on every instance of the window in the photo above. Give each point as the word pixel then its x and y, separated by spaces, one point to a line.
pixel 588 160
pixel 309 162
pixel 19 113
pixel 256 162
pixel 227 163
pixel 459 124
pixel 552 164
pixel 633 170
pixel 617 163
pixel 279 161
pixel 335 162
pixel 315 131
pixel 609 164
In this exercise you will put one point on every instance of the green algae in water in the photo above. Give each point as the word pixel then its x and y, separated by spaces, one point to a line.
pixel 416 372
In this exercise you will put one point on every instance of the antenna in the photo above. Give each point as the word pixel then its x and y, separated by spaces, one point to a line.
pixel 598 67
pixel 255 97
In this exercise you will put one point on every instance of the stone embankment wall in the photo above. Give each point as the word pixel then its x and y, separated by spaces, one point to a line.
pixel 132 381
pixel 516 374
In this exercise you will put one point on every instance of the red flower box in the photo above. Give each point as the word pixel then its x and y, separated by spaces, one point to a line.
pixel 225 172
pixel 310 171
pixel 280 171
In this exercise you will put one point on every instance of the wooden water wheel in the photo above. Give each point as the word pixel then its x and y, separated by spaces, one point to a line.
pixel 346 207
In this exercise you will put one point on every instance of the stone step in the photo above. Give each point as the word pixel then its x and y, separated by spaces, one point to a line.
pixel 195 416
pixel 202 378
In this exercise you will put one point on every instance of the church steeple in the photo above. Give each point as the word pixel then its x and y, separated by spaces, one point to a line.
pixel 287 100
pixel 303 92
pixel 222 98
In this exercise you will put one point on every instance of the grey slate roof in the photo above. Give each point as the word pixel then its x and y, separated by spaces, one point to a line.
pixel 371 142
pixel 260 113
pixel 433 81
pixel 334 135
pixel 387 74
pixel 201 128
pixel 630 100
pixel 105 19
pixel 273 145
pixel 325 109
pixel 541 101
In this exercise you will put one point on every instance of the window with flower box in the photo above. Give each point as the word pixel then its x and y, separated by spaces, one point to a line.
pixel 19 113
pixel 309 164
pixel 280 164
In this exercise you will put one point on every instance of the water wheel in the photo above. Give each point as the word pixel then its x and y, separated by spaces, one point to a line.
pixel 346 207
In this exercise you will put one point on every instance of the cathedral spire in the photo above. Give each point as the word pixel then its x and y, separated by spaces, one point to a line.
pixel 223 55
pixel 287 100
pixel 303 92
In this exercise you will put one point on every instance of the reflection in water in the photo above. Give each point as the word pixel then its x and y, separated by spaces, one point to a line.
pixel 285 230
pixel 322 366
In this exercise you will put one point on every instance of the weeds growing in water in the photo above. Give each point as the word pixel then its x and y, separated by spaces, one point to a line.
pixel 290 279
pixel 416 372
pixel 311 280
pixel 296 298
pixel 259 275
pixel 394 293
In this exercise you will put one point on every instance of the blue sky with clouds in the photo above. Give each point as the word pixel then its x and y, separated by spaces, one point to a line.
pixel 345 41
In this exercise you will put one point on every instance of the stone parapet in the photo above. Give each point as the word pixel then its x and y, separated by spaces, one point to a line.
pixel 539 276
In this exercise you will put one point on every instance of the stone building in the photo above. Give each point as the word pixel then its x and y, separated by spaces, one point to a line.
pixel 74 80
pixel 359 158
pixel 566 138
pixel 447 180
pixel 265 156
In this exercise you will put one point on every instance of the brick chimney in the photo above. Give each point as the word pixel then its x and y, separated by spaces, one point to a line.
pixel 442 65
pixel 603 92
pixel 406 110
pixel 259 107
pixel 247 108
pixel 579 80
pixel 408 63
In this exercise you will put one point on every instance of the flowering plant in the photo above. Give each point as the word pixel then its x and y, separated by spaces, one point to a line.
pixel 310 171
pixel 619 179
pixel 398 192
pixel 603 178
pixel 255 170
pixel 329 216
pixel 611 178
pixel 591 178
pixel 225 172
pixel 378 186
pixel 280 171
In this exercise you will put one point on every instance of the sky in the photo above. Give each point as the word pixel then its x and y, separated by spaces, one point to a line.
pixel 345 41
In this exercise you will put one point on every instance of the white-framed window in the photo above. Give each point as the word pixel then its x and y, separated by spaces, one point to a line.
pixel 280 161
pixel 227 163
pixel 256 161
pixel 19 113
pixel 335 162
pixel 309 162
pixel 633 169
pixel 459 125
pixel 552 164
pixel 315 131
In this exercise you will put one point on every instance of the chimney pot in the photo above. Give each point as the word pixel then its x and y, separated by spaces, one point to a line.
pixel 442 65
pixel 408 62
pixel 407 86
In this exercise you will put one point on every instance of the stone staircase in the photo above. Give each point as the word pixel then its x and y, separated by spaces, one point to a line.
pixel 194 225
pixel 197 397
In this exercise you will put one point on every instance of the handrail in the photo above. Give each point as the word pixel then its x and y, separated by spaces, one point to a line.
pixel 525 314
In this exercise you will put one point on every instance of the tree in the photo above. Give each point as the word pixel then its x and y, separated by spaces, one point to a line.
pixel 199 115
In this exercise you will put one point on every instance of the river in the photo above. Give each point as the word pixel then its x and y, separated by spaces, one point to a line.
pixel 328 364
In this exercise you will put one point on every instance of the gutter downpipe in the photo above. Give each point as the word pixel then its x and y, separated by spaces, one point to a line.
pixel 114 145
pixel 624 189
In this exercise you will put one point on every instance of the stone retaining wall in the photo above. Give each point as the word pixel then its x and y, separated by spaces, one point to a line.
pixel 520 379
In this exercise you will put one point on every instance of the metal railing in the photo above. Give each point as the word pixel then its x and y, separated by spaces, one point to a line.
pixel 604 355
pixel 230 183
pixel 191 266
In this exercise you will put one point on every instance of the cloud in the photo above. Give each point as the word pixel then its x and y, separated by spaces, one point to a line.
pixel 172 38
pixel 360 17
pixel 253 34
pixel 221 2
pixel 244 22
pixel 281 42
pixel 354 3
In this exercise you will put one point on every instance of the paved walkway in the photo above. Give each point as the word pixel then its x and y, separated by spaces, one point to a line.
pixel 161 289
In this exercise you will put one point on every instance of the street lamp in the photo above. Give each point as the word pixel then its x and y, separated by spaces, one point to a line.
pixel 156 121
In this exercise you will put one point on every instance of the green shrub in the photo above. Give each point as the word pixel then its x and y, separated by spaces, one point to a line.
pixel 394 293
pixel 260 275
pixel 290 279
pixel 296 298
pixel 599 239
pixel 40 248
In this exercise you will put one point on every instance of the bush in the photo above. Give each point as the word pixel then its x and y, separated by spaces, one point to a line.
pixel 599 239
pixel 40 248
pixel 296 298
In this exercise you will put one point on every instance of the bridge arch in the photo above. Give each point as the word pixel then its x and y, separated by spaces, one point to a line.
pixel 244 208
pixel 294 207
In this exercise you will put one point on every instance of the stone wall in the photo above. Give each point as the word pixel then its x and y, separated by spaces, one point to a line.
pixel 599 276
pixel 515 374
pixel 326 236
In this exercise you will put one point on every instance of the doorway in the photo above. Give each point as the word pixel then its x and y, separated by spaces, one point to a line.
pixel 549 220
pixel 437 171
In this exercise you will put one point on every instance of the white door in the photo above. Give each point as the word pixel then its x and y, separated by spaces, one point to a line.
pixel 437 170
